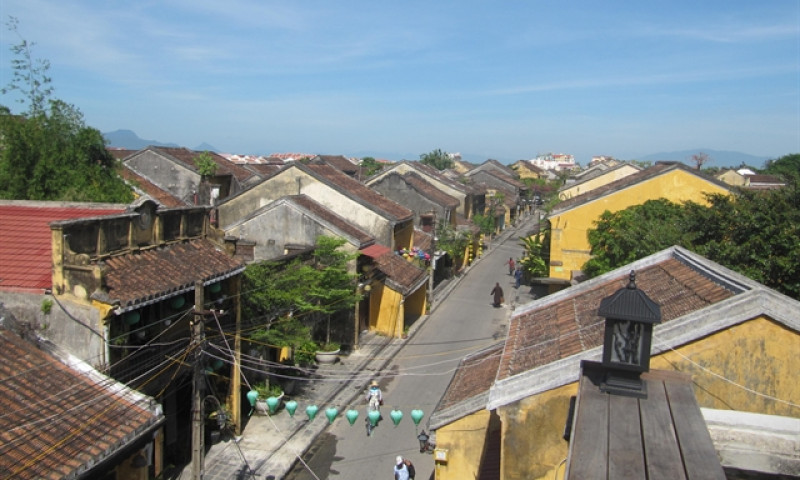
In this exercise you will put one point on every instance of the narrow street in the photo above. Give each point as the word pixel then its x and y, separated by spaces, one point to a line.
pixel 418 375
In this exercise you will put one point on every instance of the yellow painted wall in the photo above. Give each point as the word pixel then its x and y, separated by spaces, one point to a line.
pixel 597 182
pixel 464 440
pixel 386 311
pixel 533 447
pixel 759 355
pixel 731 177
pixel 416 303
pixel 569 246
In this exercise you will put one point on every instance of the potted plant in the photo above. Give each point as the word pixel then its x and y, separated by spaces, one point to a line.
pixel 265 391
pixel 327 353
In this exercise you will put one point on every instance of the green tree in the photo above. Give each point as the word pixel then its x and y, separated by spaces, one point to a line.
pixel 370 166
pixel 627 235
pixel 535 259
pixel 48 153
pixel 437 159
pixel 206 166
pixel 786 167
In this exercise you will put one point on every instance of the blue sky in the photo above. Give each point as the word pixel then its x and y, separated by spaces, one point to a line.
pixel 504 80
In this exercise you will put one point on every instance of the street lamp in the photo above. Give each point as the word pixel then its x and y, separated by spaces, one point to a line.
pixel 424 444
pixel 630 315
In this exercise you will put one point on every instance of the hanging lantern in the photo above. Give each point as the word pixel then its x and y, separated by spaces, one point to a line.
pixel 132 318
pixel 291 406
pixel 373 417
pixel 351 415
pixel 416 416
pixel 272 403
pixel 177 302
pixel 331 413
pixel 252 396
pixel 396 415
pixel 311 411
pixel 218 364
pixel 215 287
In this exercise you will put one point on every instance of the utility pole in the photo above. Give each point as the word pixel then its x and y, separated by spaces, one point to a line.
pixel 198 384
pixel 433 262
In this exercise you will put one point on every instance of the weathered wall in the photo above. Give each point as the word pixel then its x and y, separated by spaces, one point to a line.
pixel 533 444
pixel 276 227
pixel 598 181
pixel 415 305
pixel 464 440
pixel 293 181
pixel 386 311
pixel 76 328
pixel 402 168
pixel 394 188
pixel 569 246
pixel 180 181
pixel 727 367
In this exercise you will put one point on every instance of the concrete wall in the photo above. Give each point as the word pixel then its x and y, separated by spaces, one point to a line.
pixel 69 325
pixel 180 181
pixel 276 227
pixel 569 246
pixel 293 181
pixel 597 182
pixel 463 198
pixel 464 440
pixel 394 188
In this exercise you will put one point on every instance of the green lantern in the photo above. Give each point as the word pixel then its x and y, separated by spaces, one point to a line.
pixel 416 416
pixel 272 403
pixel 374 416
pixel 252 396
pixel 177 302
pixel 311 411
pixel 291 406
pixel 396 415
pixel 215 287
pixel 331 413
pixel 351 415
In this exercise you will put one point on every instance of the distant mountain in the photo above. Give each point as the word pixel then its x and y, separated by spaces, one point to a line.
pixel 716 158
pixel 129 140
pixel 204 146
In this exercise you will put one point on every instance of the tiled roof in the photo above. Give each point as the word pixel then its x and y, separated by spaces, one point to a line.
pixel 428 170
pixel 357 189
pixel 25 243
pixel 375 251
pixel 422 240
pixel 140 278
pixel 161 196
pixel 188 157
pixel 430 191
pixel 340 162
pixel 120 153
pixel 500 176
pixel 60 420
pixel 475 375
pixel 644 175
pixel 325 214
pixel 401 274
pixel 571 325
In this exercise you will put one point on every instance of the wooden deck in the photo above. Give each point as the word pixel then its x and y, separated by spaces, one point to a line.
pixel 659 437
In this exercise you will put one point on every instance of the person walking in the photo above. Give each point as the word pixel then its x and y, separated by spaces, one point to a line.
pixel 497 292
pixel 510 264
pixel 518 276
pixel 400 469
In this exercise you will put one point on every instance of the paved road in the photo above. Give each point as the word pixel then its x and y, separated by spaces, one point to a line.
pixel 418 375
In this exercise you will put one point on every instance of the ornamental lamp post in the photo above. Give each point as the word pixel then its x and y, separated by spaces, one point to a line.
pixel 630 315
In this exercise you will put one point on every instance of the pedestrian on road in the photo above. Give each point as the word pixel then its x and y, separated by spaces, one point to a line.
pixel 518 276
pixel 497 291
pixel 510 264
pixel 400 469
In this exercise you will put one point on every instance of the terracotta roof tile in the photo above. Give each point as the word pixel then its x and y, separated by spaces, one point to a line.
pixel 150 274
pixel 188 157
pixel 475 375
pixel 402 274
pixel 571 325
pixel 365 194
pixel 59 421
pixel 26 244
pixel 430 191
pixel 329 216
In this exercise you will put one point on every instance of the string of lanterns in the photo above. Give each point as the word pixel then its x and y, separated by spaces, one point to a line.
pixel 332 412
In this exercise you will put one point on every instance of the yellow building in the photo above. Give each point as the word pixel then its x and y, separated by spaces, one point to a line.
pixel 571 220
pixel 595 178
pixel 506 408
pixel 526 169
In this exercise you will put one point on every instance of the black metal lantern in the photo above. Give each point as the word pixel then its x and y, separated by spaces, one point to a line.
pixel 630 315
